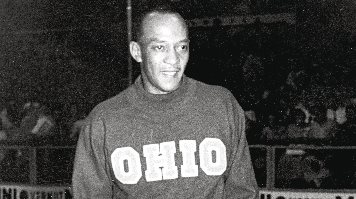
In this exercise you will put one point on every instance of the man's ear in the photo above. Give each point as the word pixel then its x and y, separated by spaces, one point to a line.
pixel 135 51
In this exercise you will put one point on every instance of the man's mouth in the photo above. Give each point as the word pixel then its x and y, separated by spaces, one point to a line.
pixel 170 73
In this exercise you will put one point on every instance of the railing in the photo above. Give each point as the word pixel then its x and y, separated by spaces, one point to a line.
pixel 290 167
pixel 276 167
pixel 40 165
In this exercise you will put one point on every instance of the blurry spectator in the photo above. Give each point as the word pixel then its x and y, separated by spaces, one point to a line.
pixel 76 128
pixel 9 120
pixel 253 128
pixel 305 111
pixel 340 115
pixel 316 130
pixel 272 131
pixel 35 123
pixel 75 117
pixel 296 85
pixel 316 174
pixel 346 132
pixel 9 115
pixel 321 128
pixel 250 115
pixel 5 121
pixel 302 169
pixel 37 119
pixel 330 114
pixel 43 125
pixel 297 130
pixel 30 114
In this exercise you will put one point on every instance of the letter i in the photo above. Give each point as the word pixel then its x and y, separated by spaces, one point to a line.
pixel 188 148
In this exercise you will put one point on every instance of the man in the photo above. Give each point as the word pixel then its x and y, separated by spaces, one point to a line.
pixel 167 135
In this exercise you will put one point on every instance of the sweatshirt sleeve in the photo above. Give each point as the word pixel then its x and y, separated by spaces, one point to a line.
pixel 240 179
pixel 91 178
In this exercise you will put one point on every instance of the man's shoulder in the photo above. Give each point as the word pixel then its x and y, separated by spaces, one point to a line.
pixel 215 94
pixel 114 103
pixel 210 90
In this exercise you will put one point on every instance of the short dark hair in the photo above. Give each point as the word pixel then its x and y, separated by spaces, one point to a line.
pixel 158 6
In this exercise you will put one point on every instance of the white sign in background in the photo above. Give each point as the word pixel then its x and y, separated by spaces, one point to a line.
pixel 32 192
pixel 264 194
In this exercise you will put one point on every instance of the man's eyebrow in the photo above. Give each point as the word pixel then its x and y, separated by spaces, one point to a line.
pixel 185 40
pixel 150 40
pixel 163 41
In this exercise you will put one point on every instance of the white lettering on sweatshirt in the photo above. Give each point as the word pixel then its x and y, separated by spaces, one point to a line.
pixel 160 160
pixel 132 173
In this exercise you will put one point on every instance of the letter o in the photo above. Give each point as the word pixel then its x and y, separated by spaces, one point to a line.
pixel 206 147
pixel 134 173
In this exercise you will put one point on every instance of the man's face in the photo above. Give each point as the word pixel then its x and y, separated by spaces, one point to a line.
pixel 163 52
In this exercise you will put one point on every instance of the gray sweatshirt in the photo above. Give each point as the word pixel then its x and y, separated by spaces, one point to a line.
pixel 187 144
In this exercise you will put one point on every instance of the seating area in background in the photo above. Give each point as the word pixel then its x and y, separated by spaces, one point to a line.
pixel 302 123
pixel 35 123
pixel 304 107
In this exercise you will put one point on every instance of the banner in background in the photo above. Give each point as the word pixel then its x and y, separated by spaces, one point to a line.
pixel 264 194
pixel 34 192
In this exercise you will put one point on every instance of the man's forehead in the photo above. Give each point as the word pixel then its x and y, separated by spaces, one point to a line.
pixel 163 15
pixel 156 18
pixel 161 26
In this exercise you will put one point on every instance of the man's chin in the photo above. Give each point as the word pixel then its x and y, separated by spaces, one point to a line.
pixel 170 88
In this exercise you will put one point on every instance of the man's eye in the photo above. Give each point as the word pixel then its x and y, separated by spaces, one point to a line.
pixel 183 47
pixel 158 48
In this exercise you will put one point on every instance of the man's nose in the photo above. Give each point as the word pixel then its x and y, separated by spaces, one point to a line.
pixel 172 57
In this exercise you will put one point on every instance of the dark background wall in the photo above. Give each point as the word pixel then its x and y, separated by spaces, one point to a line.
pixel 62 51
pixel 76 51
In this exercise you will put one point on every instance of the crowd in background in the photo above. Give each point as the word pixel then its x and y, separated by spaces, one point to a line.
pixel 289 97
pixel 21 124
pixel 301 110
pixel 35 123
pixel 307 106
pixel 285 103
pixel 298 111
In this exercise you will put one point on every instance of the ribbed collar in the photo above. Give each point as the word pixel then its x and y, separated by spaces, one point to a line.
pixel 161 103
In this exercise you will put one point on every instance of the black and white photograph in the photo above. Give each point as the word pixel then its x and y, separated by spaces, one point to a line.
pixel 208 99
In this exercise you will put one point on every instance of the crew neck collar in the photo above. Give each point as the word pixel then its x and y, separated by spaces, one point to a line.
pixel 161 102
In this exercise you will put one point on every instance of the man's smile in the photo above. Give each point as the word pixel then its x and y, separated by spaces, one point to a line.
pixel 170 73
